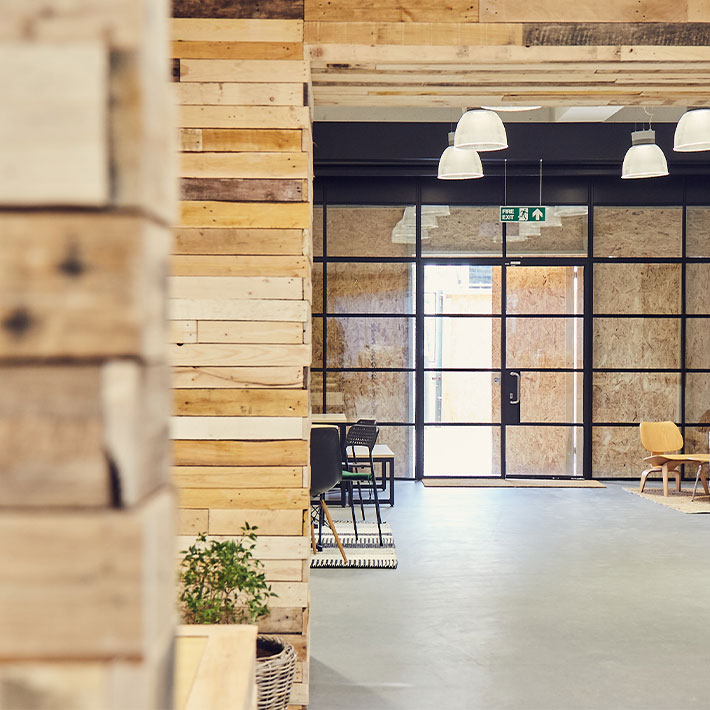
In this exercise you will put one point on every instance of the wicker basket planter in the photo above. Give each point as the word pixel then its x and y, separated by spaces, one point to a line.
pixel 274 674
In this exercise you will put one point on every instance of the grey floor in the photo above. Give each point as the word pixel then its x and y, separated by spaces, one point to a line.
pixel 525 599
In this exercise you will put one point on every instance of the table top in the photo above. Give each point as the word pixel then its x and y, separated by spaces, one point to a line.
pixel 333 418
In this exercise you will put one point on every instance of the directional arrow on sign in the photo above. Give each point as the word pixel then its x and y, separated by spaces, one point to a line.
pixel 538 215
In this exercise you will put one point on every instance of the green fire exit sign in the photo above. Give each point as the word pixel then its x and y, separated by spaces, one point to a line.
pixel 522 214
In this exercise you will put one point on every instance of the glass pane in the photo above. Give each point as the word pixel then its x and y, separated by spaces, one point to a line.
pixel 642 289
pixel 464 397
pixel 638 231
pixel 370 288
pixel 316 392
pixel 697 397
pixel 465 231
pixel 370 342
pixel 461 289
pixel 550 397
pixel 317 341
pixel 637 343
pixel 448 451
pixel 317 280
pixel 697 231
pixel 371 231
pixel 564 233
pixel 544 289
pixel 697 343
pixel 636 396
pixel 696 441
pixel 543 451
pixel 617 452
pixel 384 396
pixel 401 440
pixel 544 342
pixel 317 231
pixel 462 342
pixel 697 288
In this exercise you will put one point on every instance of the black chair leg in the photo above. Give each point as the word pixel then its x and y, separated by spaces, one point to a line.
pixel 362 504
pixel 377 507
pixel 352 507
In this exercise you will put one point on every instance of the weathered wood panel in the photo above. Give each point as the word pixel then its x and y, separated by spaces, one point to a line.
pixel 236 287
pixel 249 428
pixel 238 377
pixel 250 139
pixel 258 498
pixel 237 50
pixel 243 70
pixel 240 30
pixel 240 9
pixel 239 241
pixel 616 34
pixel 245 117
pixel 242 477
pixel 182 331
pixel 208 265
pixel 269 522
pixel 561 11
pixel 239 94
pixel 234 309
pixel 244 165
pixel 251 332
pixel 240 453
pixel 237 354
pixel 248 403
pixel 242 190
pixel 245 214
pixel 391 11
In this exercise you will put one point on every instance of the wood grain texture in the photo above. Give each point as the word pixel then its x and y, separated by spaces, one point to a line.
pixel 239 9
pixel 241 30
pixel 239 241
pixel 236 355
pixel 246 428
pixel 204 265
pixel 236 309
pixel 182 331
pixel 619 33
pixel 250 139
pixel 237 50
pixel 244 165
pixel 258 117
pixel 236 287
pixel 248 402
pixel 259 498
pixel 239 94
pixel 240 453
pixel 250 332
pixel 192 522
pixel 391 11
pixel 242 190
pixel 243 70
pixel 606 11
pixel 269 522
pixel 241 477
pixel 245 214
pixel 237 377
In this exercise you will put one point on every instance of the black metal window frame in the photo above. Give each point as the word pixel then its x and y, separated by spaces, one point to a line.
pixel 420 260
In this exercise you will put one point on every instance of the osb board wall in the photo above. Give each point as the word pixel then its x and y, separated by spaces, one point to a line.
pixel 241 291
pixel 86 205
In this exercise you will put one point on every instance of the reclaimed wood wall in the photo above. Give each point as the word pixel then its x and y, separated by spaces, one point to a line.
pixel 87 199
pixel 241 291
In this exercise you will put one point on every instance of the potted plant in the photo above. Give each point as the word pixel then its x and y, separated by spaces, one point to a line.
pixel 221 582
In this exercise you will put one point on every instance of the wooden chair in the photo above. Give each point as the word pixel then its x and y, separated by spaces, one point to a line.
pixel 661 439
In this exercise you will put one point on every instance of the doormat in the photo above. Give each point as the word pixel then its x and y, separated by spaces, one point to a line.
pixel 676 500
pixel 508 483
pixel 363 553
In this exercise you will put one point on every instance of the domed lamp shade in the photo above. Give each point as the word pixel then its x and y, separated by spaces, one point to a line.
pixel 644 159
pixel 480 130
pixel 458 164
pixel 692 133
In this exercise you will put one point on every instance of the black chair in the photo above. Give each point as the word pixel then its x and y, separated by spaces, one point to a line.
pixel 357 470
pixel 326 472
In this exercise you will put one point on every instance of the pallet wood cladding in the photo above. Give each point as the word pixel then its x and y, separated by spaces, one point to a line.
pixel 87 199
pixel 240 291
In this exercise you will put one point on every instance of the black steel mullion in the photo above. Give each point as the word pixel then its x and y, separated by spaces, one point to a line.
pixel 419 340
pixel 324 323
pixel 588 344
pixel 683 312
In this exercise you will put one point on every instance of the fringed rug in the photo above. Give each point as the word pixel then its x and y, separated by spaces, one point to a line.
pixel 365 553
pixel 511 483
pixel 677 500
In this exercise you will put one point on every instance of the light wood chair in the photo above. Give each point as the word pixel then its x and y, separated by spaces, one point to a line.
pixel 661 439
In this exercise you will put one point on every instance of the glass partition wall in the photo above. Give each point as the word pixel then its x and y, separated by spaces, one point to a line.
pixel 487 349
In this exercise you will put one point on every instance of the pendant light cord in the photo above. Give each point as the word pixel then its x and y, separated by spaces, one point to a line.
pixel 540 202
pixel 505 181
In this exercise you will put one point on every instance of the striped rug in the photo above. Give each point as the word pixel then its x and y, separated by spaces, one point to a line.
pixel 365 553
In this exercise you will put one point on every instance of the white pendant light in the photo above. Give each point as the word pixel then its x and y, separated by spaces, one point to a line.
pixel 693 131
pixel 458 164
pixel 480 130
pixel 511 109
pixel 644 159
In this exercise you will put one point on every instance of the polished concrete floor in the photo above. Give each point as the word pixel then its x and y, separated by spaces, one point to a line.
pixel 520 599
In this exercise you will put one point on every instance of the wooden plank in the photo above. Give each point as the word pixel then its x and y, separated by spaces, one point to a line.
pixel 245 214
pixel 192 522
pixel 282 620
pixel 290 594
pixel 243 428
pixel 698 11
pixel 238 241
pixel 250 139
pixel 233 309
pixel 260 498
pixel 561 11
pixel 242 190
pixel 248 403
pixel 190 139
pixel 239 9
pixel 269 522
pixel 251 332
pixel 295 266
pixel 232 377
pixel 237 50
pixel 182 331
pixel 244 165
pixel 391 11
pixel 267 547
pixel 242 477
pixel 257 117
pixel 236 287
pixel 100 604
pixel 243 70
pixel 240 30
pixel 240 453
pixel 239 94
pixel 619 33
pixel 427 33
pixel 69 81
pixel 81 285
pixel 239 355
